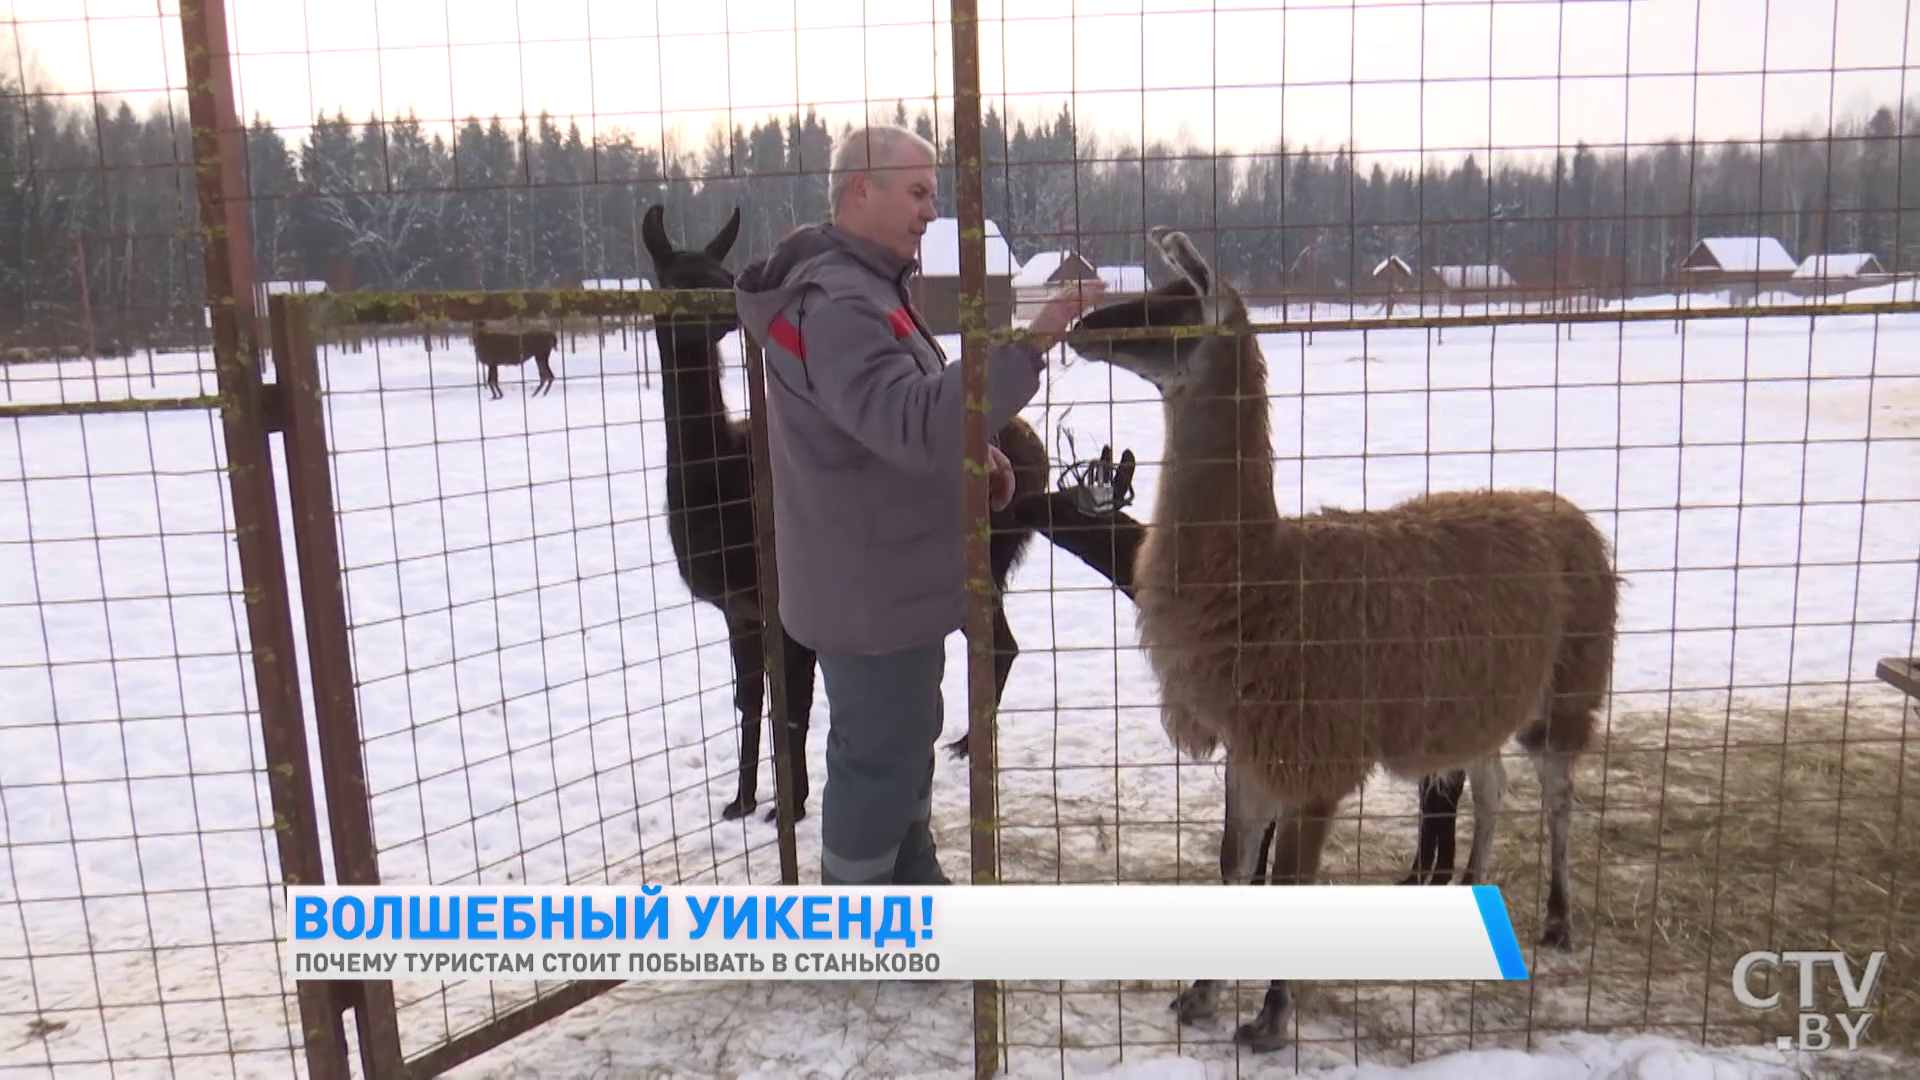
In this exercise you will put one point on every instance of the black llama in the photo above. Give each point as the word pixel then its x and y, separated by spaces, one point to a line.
pixel 711 520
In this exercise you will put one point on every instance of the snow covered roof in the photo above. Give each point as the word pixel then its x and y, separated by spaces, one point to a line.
pixel 1474 277
pixel 1038 269
pixel 1742 255
pixel 1125 279
pixel 1394 261
pixel 630 284
pixel 275 288
pixel 1852 264
pixel 940 250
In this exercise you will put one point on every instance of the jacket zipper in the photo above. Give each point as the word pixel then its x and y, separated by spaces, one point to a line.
pixel 906 302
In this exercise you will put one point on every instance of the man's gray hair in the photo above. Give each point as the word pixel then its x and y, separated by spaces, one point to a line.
pixel 876 146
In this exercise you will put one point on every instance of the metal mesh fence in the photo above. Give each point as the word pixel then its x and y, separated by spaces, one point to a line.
pixel 142 911
pixel 153 798
pixel 1509 246
pixel 540 696
pixel 1656 257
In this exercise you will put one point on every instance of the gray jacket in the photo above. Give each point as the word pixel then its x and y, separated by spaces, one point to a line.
pixel 865 424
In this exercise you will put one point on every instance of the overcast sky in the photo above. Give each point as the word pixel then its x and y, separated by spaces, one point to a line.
pixel 1384 75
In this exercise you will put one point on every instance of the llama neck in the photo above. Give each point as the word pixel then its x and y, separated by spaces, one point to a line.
pixel 696 410
pixel 1219 452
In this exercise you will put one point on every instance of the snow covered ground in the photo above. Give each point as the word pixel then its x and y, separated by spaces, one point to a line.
pixel 541 700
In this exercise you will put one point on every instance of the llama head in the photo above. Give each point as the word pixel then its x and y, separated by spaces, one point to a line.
pixel 1196 297
pixel 691 268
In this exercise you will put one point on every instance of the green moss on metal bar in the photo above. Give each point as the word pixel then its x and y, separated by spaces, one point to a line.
pixel 390 308
pixel 123 405
pixel 1492 320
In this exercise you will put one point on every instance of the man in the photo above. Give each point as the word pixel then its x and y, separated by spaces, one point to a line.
pixel 865 423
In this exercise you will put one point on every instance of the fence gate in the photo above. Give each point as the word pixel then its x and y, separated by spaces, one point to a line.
pixel 493 711
pixel 155 768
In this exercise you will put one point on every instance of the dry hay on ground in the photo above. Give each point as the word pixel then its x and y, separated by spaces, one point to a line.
pixel 1696 838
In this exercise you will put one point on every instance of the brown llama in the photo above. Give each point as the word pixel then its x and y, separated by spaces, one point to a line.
pixel 493 348
pixel 1311 649
pixel 1439 795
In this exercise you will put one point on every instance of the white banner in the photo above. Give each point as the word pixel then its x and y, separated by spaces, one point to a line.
pixel 958 932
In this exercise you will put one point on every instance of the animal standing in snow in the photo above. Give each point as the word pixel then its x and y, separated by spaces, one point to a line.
pixel 713 531
pixel 1439 795
pixel 493 348
pixel 1311 649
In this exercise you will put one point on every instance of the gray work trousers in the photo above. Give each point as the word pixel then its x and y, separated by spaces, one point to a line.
pixel 885 714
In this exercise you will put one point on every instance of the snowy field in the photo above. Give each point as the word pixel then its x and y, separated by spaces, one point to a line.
pixel 541 700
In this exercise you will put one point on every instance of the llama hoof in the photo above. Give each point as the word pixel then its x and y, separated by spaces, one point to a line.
pixel 1557 936
pixel 799 815
pixel 739 808
pixel 1261 1038
pixel 1194 1004
pixel 958 747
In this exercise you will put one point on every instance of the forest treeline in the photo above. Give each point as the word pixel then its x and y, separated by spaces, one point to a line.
pixel 100 201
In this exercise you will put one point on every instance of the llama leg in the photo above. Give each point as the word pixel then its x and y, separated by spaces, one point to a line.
pixel 1260 862
pixel 546 374
pixel 799 661
pixel 493 381
pixel 1489 779
pixel 1005 648
pixel 1296 861
pixel 1247 823
pixel 1555 769
pixel 749 696
pixel 1439 811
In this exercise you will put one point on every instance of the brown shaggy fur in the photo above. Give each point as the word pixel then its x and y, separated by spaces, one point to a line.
pixel 1419 638
pixel 1415 637
pixel 493 348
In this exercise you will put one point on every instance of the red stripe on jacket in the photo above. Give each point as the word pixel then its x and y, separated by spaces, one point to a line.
pixel 787 336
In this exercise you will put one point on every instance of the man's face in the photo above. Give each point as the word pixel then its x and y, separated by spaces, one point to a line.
pixel 896 204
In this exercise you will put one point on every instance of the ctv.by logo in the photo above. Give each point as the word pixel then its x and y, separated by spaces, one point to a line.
pixel 1816 1028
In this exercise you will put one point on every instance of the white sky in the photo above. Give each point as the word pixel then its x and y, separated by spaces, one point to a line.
pixel 1385 75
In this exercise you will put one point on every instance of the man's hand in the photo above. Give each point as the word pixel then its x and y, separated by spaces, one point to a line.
pixel 1000 480
pixel 1065 305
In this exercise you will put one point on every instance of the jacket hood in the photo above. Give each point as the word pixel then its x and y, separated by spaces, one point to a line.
pixel 770 283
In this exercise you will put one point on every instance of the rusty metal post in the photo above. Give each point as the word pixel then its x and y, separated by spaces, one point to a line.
pixel 227 256
pixel 219 158
pixel 983 787
pixel 330 654
pixel 773 638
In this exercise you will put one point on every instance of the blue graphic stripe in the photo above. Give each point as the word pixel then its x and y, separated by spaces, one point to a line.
pixel 1506 947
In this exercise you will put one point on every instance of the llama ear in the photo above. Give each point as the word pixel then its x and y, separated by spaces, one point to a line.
pixel 653 233
pixel 1179 253
pixel 722 241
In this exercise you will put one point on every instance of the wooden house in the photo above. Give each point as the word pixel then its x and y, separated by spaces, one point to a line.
pixel 1743 264
pixel 1830 275
pixel 936 287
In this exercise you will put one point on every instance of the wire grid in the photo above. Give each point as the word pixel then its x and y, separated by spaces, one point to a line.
pixel 100 277
pixel 140 905
pixel 1688 734
pixel 1754 475
pixel 540 697
pixel 141 912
